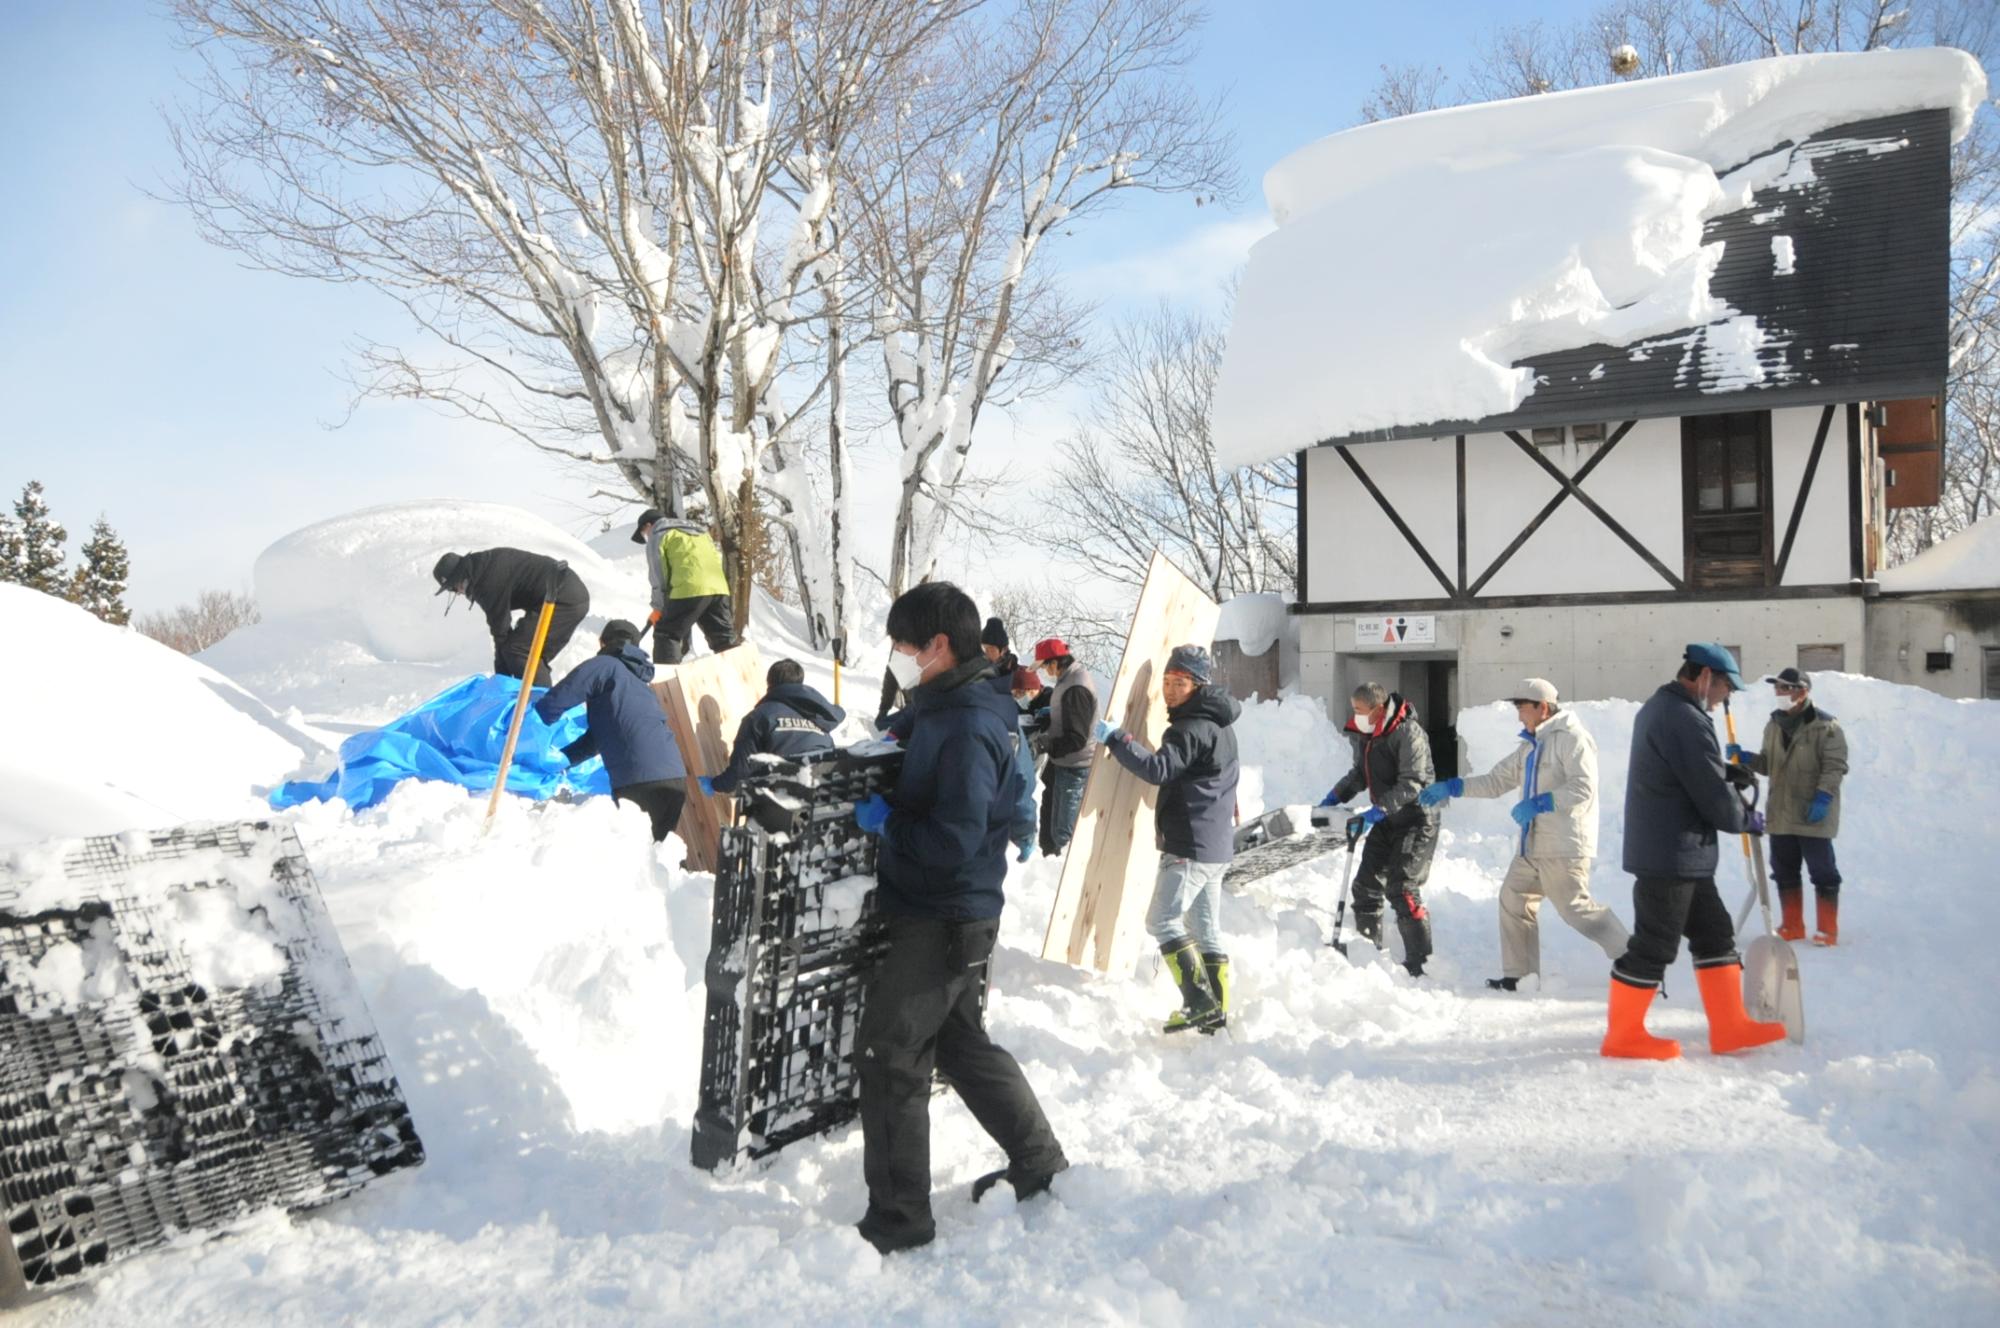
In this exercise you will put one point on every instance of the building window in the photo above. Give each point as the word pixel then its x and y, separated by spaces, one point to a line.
pixel 1726 462
pixel 1992 684
pixel 1823 658
pixel 1548 437
pixel 1586 434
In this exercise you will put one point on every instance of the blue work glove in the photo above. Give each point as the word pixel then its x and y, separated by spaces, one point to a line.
pixel 1103 731
pixel 872 813
pixel 1434 794
pixel 1527 809
pixel 707 785
pixel 1822 803
pixel 1372 815
pixel 1332 798
pixel 1027 850
pixel 1754 823
pixel 1733 752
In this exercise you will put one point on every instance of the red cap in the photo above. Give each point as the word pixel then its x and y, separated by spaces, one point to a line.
pixel 1026 680
pixel 1053 648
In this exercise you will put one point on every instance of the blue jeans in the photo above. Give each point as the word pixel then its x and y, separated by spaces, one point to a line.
pixel 1193 889
pixel 1062 799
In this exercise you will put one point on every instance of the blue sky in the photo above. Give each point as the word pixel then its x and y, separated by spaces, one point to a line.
pixel 152 378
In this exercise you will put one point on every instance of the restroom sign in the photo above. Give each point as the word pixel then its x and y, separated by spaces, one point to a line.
pixel 1395 629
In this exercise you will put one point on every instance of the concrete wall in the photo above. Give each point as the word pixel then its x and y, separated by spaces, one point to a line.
pixel 1902 630
pixel 1589 652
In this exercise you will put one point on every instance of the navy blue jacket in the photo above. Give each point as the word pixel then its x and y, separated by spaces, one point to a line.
pixel 1196 769
pixel 1676 796
pixel 623 720
pixel 791 721
pixel 957 802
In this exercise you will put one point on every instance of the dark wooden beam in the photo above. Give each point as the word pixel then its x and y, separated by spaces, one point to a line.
pixel 1396 520
pixel 1596 599
pixel 1856 564
pixel 1590 505
pixel 1461 515
pixel 1805 492
pixel 1548 508
pixel 1300 529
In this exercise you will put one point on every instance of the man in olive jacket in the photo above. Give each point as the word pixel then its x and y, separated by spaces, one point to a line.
pixel 1805 758
pixel 1553 777
pixel 1392 764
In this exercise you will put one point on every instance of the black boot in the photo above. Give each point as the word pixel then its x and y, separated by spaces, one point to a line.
pixel 1502 984
pixel 1027 1184
pixel 1199 1008
pixel 1368 922
pixel 1415 926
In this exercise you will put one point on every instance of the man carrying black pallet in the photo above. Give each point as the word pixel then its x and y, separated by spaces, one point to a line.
pixel 939 872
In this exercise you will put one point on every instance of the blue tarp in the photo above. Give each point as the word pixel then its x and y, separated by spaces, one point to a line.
pixel 456 736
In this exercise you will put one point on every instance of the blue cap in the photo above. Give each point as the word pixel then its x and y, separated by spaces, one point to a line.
pixel 1708 655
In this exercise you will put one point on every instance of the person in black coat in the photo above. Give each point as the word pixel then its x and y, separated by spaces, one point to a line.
pixel 793 720
pixel 1196 769
pixel 625 725
pixel 503 582
pixel 1678 797
pixel 944 832
pixel 1392 764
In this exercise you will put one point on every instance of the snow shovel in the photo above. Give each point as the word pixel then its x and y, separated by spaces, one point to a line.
pixel 1750 896
pixel 1347 879
pixel 1771 989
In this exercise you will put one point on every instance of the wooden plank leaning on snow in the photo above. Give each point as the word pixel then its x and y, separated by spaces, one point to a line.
pixel 1108 870
pixel 705 699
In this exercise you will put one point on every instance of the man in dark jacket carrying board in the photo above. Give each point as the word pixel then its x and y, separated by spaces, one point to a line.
pixel 793 720
pixel 1678 796
pixel 1196 769
pixel 938 873
pixel 624 725
pixel 1392 764
pixel 503 582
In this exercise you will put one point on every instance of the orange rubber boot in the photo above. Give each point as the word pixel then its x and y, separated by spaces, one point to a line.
pixel 1627 1037
pixel 1792 927
pixel 1828 920
pixel 1730 1027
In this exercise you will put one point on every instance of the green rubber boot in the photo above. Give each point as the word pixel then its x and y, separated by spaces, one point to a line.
pixel 1199 1008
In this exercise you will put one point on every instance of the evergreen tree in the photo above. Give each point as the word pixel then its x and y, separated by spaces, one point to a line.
pixel 99 585
pixel 10 550
pixel 39 565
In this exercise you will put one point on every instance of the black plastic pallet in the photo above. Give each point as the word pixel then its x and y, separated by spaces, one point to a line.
pixel 1273 842
pixel 150 1106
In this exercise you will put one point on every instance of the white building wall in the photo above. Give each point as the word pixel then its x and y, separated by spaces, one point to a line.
pixel 1820 549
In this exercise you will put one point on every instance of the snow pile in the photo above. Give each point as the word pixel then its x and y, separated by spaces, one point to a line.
pixel 1254 622
pixel 1418 259
pixel 1969 560
pixel 110 730
pixel 352 626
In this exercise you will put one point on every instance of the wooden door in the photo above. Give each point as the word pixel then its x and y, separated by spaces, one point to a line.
pixel 1726 468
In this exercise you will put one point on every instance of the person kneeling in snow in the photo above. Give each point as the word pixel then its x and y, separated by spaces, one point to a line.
pixel 1555 771
pixel 1805 758
pixel 625 725
pixel 793 720
pixel 1678 797
pixel 938 872
pixel 1392 762
pixel 1196 769
pixel 503 582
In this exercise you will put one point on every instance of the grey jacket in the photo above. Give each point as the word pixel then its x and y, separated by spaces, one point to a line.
pixel 1560 759
pixel 1072 717
pixel 1813 758
pixel 1677 798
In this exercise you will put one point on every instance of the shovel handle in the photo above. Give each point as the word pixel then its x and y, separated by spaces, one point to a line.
pixel 1729 719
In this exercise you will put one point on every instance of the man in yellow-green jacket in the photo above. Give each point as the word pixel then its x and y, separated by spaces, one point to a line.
pixel 690 589
pixel 1805 758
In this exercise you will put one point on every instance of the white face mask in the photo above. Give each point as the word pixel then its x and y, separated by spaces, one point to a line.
pixel 1366 723
pixel 907 670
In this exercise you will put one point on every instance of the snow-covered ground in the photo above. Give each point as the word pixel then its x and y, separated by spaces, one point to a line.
pixel 1360 1148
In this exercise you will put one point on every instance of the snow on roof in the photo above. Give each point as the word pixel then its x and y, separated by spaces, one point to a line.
pixel 1417 260
pixel 1969 560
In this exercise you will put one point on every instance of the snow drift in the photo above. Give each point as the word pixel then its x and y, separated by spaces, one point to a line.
pixel 1416 260
pixel 1969 560
pixel 111 731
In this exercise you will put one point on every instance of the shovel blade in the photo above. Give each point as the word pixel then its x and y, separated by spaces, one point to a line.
pixel 1771 989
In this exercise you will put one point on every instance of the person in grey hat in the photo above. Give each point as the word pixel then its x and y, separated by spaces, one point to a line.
pixel 1553 777
pixel 1805 758
pixel 1196 769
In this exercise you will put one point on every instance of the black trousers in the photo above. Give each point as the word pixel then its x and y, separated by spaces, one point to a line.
pixel 1788 852
pixel 922 1012
pixel 661 799
pixel 674 632
pixel 510 652
pixel 1664 909
pixel 1395 863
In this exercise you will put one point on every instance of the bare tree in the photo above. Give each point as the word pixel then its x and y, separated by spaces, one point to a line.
pixel 193 628
pixel 1035 611
pixel 1031 121
pixel 1406 90
pixel 1676 36
pixel 1142 474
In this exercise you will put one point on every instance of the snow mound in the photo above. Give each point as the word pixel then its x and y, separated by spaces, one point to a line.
pixel 1439 227
pixel 352 626
pixel 1254 622
pixel 112 731
pixel 1969 560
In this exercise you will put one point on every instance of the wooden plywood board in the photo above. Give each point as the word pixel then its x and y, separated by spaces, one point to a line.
pixel 705 699
pixel 1108 871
